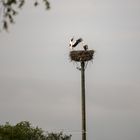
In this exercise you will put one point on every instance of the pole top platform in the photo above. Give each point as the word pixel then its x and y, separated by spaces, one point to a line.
pixel 81 55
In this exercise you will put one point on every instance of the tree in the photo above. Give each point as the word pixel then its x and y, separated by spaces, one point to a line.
pixel 10 8
pixel 25 131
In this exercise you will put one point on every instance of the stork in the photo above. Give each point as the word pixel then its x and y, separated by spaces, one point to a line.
pixel 85 47
pixel 71 43
pixel 74 44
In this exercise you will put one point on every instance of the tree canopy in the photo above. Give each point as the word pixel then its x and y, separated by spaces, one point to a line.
pixel 25 131
pixel 10 8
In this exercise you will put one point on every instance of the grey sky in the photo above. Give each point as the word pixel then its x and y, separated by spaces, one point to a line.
pixel 39 84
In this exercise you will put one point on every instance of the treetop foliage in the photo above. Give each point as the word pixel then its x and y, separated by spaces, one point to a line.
pixel 25 131
pixel 10 8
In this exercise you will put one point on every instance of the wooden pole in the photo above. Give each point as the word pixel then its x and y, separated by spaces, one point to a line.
pixel 83 100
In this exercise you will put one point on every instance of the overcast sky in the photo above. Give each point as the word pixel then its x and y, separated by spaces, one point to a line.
pixel 38 83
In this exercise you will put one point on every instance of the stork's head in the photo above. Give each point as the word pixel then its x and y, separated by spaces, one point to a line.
pixel 71 42
pixel 72 39
pixel 85 47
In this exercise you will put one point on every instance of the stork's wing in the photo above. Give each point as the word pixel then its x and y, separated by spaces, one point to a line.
pixel 77 42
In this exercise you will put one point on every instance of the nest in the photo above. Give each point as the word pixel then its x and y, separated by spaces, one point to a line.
pixel 81 55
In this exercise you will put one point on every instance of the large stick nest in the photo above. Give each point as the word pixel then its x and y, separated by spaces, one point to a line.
pixel 81 55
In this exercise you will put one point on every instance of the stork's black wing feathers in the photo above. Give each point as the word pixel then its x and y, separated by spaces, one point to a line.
pixel 77 42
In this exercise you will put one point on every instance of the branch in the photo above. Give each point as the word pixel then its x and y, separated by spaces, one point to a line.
pixel 10 8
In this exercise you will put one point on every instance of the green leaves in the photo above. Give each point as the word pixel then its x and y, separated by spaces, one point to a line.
pixel 47 4
pixel 21 3
pixel 25 131
pixel 58 136
pixel 10 8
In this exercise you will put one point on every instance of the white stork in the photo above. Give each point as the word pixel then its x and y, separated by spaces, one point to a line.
pixel 85 47
pixel 71 43
pixel 74 44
